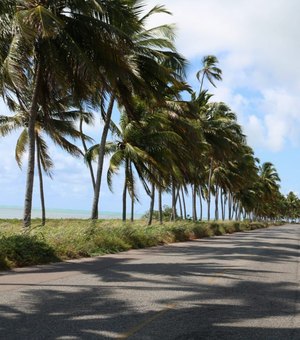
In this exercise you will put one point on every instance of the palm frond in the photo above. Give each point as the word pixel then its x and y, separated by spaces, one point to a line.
pixel 45 158
pixel 21 146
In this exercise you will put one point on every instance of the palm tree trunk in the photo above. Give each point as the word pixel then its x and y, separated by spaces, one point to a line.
pixel 217 204
pixel 94 214
pixel 183 203
pixel 229 206
pixel 209 191
pixel 160 205
pixel 124 200
pixel 89 163
pixel 222 204
pixel 151 204
pixel 31 148
pixel 225 196
pixel 233 210
pixel 131 194
pixel 132 209
pixel 240 211
pixel 201 207
pixel 236 210
pixel 201 84
pixel 180 205
pixel 41 181
pixel 194 194
pixel 174 213
pixel 125 190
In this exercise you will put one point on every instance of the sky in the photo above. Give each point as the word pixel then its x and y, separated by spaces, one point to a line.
pixel 257 44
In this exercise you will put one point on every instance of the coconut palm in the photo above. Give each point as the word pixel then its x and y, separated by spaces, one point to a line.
pixel 158 67
pixel 268 185
pixel 292 204
pixel 240 172
pixel 139 147
pixel 50 45
pixel 209 71
pixel 223 135
pixel 59 127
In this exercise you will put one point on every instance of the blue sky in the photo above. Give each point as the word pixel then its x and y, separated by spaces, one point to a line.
pixel 257 43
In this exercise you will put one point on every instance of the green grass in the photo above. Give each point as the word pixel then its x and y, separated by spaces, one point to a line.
pixel 68 239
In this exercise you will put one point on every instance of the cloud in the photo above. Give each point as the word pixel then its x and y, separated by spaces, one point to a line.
pixel 254 129
pixel 256 43
pixel 282 118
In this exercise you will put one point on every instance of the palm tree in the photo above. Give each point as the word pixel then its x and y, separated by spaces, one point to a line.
pixel 223 135
pixel 209 71
pixel 292 206
pixel 59 127
pixel 269 187
pixel 158 67
pixel 50 45
pixel 139 147
pixel 236 178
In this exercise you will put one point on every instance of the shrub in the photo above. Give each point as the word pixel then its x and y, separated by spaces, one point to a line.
pixel 66 239
pixel 167 213
pixel 24 250
pixel 217 229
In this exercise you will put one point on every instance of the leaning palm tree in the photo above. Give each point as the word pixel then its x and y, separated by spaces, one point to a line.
pixel 224 136
pixel 268 182
pixel 209 71
pixel 138 146
pixel 50 46
pixel 59 127
pixel 157 67
pixel 212 73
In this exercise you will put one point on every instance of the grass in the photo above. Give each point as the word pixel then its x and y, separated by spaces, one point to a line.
pixel 72 238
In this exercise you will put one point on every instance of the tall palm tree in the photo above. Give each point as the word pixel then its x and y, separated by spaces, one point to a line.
pixel 50 45
pixel 158 67
pixel 209 70
pixel 59 127
pixel 292 206
pixel 268 184
pixel 139 147
pixel 223 135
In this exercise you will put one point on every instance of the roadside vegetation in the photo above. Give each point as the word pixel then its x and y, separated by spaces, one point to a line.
pixel 70 239
pixel 65 64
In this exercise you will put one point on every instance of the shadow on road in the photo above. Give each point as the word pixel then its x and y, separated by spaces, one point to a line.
pixel 201 309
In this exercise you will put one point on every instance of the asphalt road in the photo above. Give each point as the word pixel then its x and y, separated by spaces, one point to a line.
pixel 241 286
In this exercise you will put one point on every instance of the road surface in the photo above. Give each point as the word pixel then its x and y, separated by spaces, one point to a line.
pixel 240 286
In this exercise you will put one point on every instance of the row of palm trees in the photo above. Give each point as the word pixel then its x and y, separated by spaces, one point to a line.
pixel 288 207
pixel 64 61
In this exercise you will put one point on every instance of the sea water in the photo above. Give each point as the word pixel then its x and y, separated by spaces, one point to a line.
pixel 17 212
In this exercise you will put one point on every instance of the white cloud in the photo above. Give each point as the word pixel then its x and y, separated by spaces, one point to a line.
pixel 257 45
pixel 282 118
pixel 254 129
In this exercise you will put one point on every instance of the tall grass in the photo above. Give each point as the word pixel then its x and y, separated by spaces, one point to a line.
pixel 68 239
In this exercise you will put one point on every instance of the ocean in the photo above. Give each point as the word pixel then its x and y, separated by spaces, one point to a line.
pixel 17 212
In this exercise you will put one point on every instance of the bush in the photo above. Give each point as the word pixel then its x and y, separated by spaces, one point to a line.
pixel 67 239
pixel 167 213
pixel 201 230
pixel 217 229
pixel 24 250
